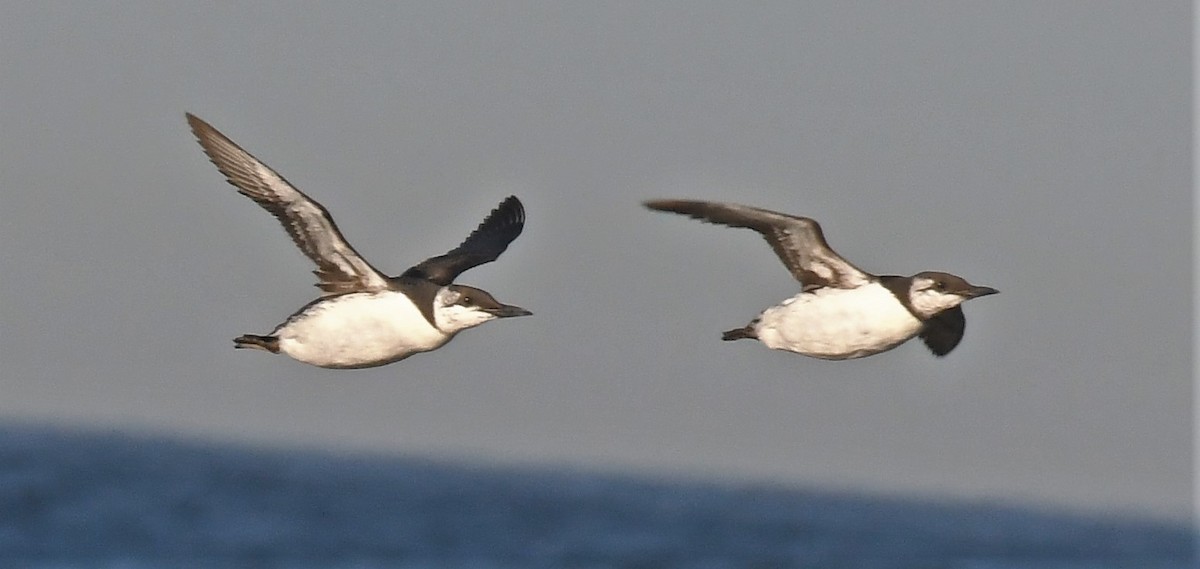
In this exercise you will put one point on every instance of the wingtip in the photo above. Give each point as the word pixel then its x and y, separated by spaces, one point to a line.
pixel 661 204
pixel 696 209
pixel 194 120
pixel 942 351
pixel 514 208
pixel 514 201
pixel 200 128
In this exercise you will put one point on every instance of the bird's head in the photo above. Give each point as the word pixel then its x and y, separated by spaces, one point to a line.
pixel 933 292
pixel 458 307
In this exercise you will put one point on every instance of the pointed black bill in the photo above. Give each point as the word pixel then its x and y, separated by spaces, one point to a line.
pixel 509 311
pixel 978 291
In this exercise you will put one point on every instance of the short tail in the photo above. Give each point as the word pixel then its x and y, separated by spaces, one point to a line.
pixel 268 343
pixel 745 333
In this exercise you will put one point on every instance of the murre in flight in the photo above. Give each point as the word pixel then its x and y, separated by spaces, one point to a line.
pixel 365 318
pixel 841 311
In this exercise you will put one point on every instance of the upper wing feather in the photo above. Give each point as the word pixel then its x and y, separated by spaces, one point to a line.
pixel 798 241
pixel 483 245
pixel 339 267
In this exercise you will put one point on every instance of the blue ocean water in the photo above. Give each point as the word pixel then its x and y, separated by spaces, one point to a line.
pixel 95 500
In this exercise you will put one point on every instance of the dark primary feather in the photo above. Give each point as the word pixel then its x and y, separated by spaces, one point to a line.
pixel 944 331
pixel 339 267
pixel 483 245
pixel 798 241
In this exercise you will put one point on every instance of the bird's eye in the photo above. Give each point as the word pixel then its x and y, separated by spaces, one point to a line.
pixel 466 300
pixel 940 286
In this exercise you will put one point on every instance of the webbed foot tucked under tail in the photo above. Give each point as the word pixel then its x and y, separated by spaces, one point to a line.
pixel 268 343
pixel 746 333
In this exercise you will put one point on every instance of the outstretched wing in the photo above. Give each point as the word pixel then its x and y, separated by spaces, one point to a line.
pixel 798 241
pixel 339 266
pixel 944 331
pixel 483 245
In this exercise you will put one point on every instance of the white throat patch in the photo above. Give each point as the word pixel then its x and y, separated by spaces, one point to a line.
pixel 452 316
pixel 928 301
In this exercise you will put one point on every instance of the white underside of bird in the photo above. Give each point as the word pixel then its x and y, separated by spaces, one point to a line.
pixel 357 330
pixel 837 324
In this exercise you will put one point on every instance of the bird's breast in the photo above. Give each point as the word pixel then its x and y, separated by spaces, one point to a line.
pixel 359 330
pixel 835 323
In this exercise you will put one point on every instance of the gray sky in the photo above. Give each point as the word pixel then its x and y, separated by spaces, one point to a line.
pixel 1040 148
